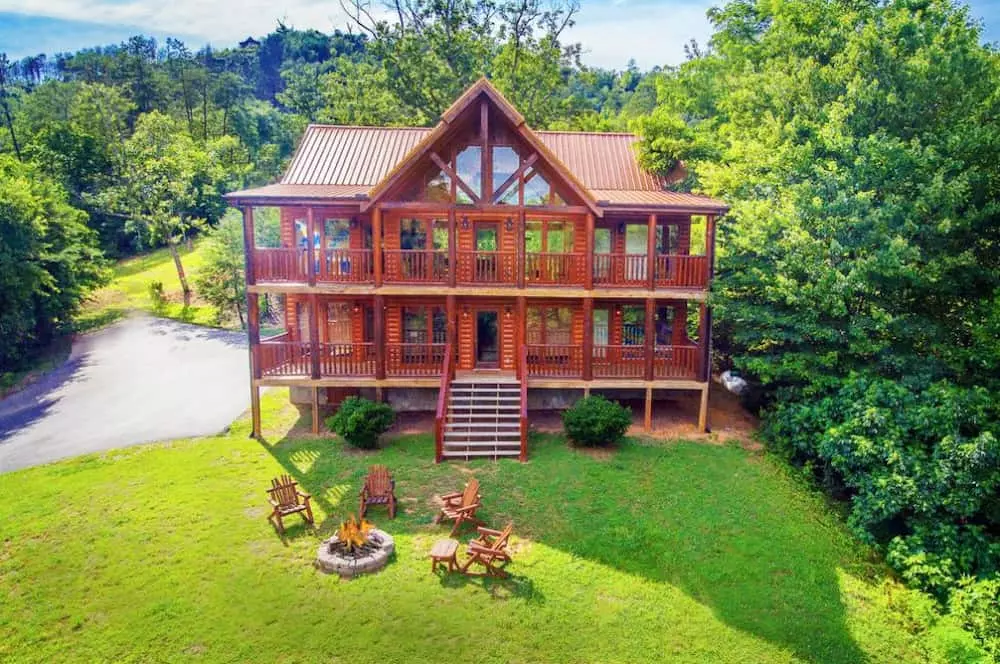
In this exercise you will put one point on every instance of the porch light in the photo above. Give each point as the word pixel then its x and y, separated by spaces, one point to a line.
pixel 465 311
pixel 507 311
pixel 509 224
pixel 357 308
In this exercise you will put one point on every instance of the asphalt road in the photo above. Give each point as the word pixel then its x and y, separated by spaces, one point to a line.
pixel 140 380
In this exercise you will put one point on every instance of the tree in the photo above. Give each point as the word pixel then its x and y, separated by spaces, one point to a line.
pixel 6 94
pixel 49 260
pixel 860 274
pixel 165 178
pixel 222 281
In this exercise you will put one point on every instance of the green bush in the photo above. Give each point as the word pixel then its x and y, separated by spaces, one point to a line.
pixel 595 421
pixel 976 604
pixel 360 421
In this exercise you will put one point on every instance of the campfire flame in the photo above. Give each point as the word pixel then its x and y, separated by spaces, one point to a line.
pixel 352 534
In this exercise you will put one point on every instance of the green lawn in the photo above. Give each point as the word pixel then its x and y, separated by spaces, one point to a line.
pixel 681 552
pixel 129 290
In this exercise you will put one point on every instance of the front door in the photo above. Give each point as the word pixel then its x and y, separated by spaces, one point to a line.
pixel 487 339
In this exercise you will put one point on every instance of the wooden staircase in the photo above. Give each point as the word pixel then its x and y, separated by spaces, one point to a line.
pixel 483 418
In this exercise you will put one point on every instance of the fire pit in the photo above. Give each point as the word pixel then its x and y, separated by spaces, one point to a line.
pixel 357 548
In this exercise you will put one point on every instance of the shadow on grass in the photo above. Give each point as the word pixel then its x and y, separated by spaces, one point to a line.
pixel 722 527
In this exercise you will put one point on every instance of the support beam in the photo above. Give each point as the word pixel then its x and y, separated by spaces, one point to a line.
pixel 249 245
pixel 650 336
pixel 378 322
pixel 314 341
pixel 588 339
pixel 710 247
pixel 651 252
pixel 703 424
pixel 522 249
pixel 648 420
pixel 704 342
pixel 450 172
pixel 522 330
pixel 451 314
pixel 377 246
pixel 380 395
pixel 514 177
pixel 315 409
pixel 588 276
pixel 253 338
pixel 311 246
pixel 452 249
pixel 486 166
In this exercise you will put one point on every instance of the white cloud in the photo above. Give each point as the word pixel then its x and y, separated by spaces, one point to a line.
pixel 652 32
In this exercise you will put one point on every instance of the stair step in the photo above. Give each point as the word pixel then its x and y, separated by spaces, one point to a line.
pixel 479 389
pixel 483 397
pixel 499 425
pixel 463 455
pixel 513 407
pixel 480 444
pixel 448 434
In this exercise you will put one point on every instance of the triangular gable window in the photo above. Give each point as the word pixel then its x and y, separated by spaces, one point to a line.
pixel 537 189
pixel 469 167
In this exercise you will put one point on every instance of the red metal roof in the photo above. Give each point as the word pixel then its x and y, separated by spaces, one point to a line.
pixel 347 163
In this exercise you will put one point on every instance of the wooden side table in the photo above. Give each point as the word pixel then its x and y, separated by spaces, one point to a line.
pixel 443 552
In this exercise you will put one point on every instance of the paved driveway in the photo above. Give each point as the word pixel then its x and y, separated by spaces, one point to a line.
pixel 140 380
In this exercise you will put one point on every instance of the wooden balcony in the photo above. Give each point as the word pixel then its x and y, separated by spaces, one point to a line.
pixel 414 360
pixel 487 267
pixel 419 266
pixel 626 362
pixel 416 266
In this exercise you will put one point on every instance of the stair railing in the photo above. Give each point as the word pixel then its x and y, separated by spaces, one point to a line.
pixel 447 373
pixel 524 404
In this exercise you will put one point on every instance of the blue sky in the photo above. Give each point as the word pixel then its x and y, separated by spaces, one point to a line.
pixel 612 31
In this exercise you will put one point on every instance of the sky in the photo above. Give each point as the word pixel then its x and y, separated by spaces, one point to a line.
pixel 612 32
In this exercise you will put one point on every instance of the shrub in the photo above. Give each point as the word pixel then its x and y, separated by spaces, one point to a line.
pixel 976 604
pixel 595 421
pixel 156 295
pixel 360 421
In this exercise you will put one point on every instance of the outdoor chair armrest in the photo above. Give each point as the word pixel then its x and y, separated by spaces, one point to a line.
pixel 467 508
pixel 303 495
pixel 449 496
pixel 489 531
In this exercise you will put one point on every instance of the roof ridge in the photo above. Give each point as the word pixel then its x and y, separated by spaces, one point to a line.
pixel 322 125
pixel 587 133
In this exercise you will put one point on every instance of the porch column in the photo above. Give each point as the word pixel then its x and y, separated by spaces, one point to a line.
pixel 588 338
pixel 522 334
pixel 253 338
pixel 314 342
pixel 452 321
pixel 311 246
pixel 378 322
pixel 249 246
pixel 521 248
pixel 651 251
pixel 588 259
pixel 452 251
pixel 710 248
pixel 705 342
pixel 650 335
pixel 377 248
pixel 703 423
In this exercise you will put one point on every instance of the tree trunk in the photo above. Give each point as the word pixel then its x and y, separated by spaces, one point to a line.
pixel 180 272
pixel 10 128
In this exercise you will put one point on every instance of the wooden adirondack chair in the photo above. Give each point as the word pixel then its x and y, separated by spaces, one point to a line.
pixel 285 499
pixel 379 489
pixel 490 551
pixel 461 507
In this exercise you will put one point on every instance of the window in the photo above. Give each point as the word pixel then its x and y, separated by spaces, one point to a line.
pixel 506 161
pixel 338 323
pixel 633 325
pixel 668 239
pixel 423 325
pixel 537 190
pixel 338 233
pixel 548 236
pixel 549 325
pixel 664 326
pixel 469 167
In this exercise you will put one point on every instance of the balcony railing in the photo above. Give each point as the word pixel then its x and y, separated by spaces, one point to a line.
pixel 555 361
pixel 620 270
pixel 682 271
pixel 676 362
pixel 284 358
pixel 347 359
pixel 414 360
pixel 416 266
pixel 280 264
pixel 346 265
pixel 619 361
pixel 487 267
pixel 554 268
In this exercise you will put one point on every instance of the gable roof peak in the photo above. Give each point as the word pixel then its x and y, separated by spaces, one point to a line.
pixel 482 86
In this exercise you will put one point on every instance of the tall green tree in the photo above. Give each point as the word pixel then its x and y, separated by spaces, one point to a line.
pixel 49 260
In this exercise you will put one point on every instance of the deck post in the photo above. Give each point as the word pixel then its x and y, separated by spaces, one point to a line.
pixel 522 249
pixel 314 342
pixel 704 341
pixel 377 255
pixel 709 249
pixel 378 322
pixel 651 252
pixel 315 409
pixel 311 246
pixel 650 336
pixel 522 333
pixel 588 275
pixel 253 338
pixel 588 340
pixel 452 249
pixel 648 419
pixel 703 424
pixel 451 315
pixel 249 245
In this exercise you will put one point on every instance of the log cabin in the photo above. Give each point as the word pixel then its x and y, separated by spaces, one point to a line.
pixel 477 266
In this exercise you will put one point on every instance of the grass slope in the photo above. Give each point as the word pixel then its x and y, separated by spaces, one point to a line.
pixel 669 551
pixel 129 290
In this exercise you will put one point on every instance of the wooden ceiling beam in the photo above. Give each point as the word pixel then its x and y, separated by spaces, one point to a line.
pixel 450 172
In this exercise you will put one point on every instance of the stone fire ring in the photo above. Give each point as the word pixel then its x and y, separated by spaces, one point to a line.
pixel 346 567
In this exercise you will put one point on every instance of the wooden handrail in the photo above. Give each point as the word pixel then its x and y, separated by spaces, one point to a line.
pixel 524 404
pixel 442 404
